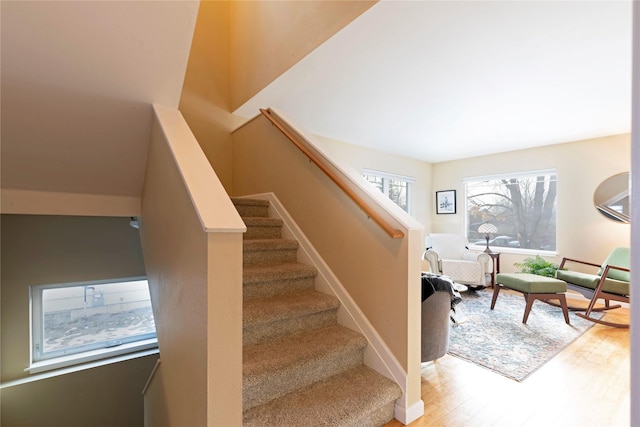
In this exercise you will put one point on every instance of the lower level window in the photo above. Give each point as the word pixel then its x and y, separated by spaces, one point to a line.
pixel 76 318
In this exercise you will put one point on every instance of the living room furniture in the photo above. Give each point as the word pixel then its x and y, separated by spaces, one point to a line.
pixel 449 255
pixel 533 287
pixel 487 229
pixel 438 299
pixel 495 259
pixel 610 283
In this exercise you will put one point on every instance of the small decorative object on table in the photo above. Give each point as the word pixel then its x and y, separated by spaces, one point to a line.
pixel 487 229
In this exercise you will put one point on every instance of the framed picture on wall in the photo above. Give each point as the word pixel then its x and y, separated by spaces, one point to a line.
pixel 446 202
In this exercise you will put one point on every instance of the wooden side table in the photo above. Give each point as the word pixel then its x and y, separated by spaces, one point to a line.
pixel 495 257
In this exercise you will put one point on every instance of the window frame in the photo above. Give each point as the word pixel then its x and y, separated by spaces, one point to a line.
pixel 386 177
pixel 39 361
pixel 495 177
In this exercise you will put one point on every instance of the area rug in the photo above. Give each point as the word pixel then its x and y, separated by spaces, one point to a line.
pixel 498 340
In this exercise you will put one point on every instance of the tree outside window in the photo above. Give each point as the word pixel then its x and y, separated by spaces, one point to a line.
pixel 521 206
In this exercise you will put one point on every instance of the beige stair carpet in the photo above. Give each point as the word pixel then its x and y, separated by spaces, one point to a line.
pixel 300 367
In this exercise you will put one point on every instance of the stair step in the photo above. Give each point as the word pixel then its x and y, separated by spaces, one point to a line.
pixel 279 279
pixel 300 367
pixel 262 228
pixel 269 318
pixel 275 368
pixel 251 207
pixel 269 251
pixel 358 397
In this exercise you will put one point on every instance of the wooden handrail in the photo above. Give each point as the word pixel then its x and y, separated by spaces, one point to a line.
pixel 392 232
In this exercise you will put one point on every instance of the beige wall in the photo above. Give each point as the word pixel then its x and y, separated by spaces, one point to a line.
pixel 241 46
pixel 39 250
pixel 359 158
pixel 174 245
pixel 268 37
pixel 107 396
pixel 205 94
pixel 195 279
pixel 581 166
pixel 374 269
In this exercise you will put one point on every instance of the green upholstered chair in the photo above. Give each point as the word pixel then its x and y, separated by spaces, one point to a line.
pixel 610 283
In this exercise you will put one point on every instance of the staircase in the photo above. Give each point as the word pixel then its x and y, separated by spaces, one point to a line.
pixel 300 367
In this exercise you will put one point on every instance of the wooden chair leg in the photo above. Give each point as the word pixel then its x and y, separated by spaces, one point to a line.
pixel 603 322
pixel 594 298
pixel 587 314
pixel 607 306
pixel 496 291
pixel 530 299
pixel 565 309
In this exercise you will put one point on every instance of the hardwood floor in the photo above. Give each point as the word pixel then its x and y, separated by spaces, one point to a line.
pixel 585 385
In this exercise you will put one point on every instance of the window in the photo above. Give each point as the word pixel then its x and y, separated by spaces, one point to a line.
pixel 396 187
pixel 80 318
pixel 521 206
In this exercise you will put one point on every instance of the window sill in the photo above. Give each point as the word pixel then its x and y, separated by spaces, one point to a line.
pixel 43 375
pixel 91 356
pixel 515 251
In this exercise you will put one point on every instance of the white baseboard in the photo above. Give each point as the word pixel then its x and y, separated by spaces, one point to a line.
pixel 409 414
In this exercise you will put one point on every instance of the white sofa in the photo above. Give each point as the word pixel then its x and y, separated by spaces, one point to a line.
pixel 448 255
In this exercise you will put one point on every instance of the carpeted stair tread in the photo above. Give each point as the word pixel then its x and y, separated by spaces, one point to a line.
pixel 257 221
pixel 280 366
pixel 265 310
pixel 244 201
pixel 251 207
pixel 262 228
pixel 284 284
pixel 262 281
pixel 297 349
pixel 284 271
pixel 352 398
pixel 269 251
pixel 269 244
pixel 300 367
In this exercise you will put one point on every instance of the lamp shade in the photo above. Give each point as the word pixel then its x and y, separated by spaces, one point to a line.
pixel 487 228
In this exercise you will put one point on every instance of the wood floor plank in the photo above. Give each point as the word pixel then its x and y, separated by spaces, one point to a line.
pixel 588 383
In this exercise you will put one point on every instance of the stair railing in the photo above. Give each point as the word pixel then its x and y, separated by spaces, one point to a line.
pixel 371 213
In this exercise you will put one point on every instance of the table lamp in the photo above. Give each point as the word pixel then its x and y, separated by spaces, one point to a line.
pixel 487 229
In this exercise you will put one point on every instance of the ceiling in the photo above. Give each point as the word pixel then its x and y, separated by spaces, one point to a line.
pixel 444 80
pixel 431 80
pixel 78 81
